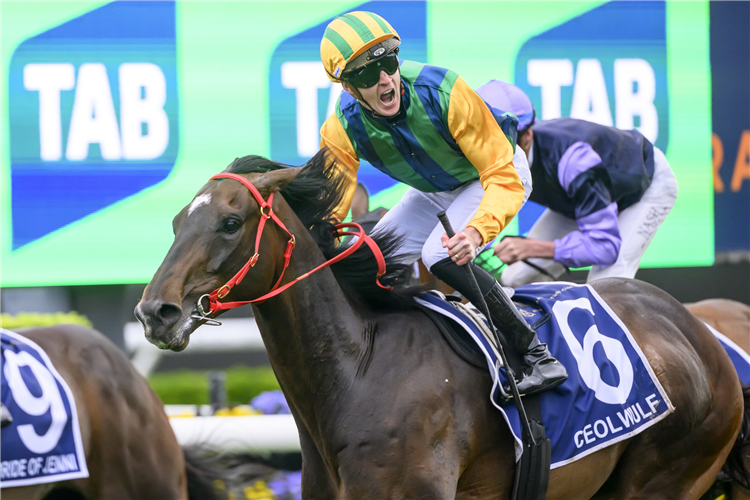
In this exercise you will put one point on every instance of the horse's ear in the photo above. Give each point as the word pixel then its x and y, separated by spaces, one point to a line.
pixel 231 165
pixel 275 180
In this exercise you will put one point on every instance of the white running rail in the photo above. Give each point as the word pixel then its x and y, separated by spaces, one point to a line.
pixel 257 433
pixel 235 334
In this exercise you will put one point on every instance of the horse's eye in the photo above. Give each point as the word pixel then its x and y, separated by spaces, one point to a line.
pixel 231 225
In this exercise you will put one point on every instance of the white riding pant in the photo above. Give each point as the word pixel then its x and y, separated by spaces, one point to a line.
pixel 414 218
pixel 638 224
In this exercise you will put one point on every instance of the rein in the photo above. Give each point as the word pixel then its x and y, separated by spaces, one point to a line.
pixel 266 212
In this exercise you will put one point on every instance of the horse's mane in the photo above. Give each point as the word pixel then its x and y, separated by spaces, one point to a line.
pixel 314 194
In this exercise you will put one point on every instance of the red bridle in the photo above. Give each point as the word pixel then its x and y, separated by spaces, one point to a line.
pixel 223 291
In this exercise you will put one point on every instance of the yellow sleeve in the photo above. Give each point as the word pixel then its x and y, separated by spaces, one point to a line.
pixel 333 136
pixel 486 147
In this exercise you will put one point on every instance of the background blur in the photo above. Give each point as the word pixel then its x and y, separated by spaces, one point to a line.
pixel 115 113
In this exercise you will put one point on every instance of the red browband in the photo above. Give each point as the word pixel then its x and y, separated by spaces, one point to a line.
pixel 267 213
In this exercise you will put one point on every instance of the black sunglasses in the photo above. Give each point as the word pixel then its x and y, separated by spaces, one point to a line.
pixel 369 74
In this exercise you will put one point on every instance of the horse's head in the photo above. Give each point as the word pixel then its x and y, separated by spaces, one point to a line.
pixel 215 236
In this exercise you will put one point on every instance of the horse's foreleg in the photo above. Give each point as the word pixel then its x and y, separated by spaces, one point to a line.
pixel 415 483
pixel 317 483
pixel 400 468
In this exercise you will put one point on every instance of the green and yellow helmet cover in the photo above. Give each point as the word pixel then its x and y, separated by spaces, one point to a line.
pixel 348 36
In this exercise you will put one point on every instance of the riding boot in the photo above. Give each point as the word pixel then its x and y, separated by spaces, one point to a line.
pixel 5 418
pixel 541 370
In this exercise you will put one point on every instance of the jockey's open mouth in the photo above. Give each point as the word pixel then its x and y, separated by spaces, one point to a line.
pixel 388 96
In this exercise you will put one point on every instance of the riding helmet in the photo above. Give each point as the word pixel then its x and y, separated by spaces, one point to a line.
pixel 355 39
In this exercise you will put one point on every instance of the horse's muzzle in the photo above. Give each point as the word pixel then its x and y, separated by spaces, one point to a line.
pixel 159 320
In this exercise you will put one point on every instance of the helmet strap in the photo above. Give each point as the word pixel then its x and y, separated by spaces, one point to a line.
pixel 360 97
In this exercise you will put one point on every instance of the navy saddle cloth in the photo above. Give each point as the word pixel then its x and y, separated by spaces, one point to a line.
pixel 611 394
pixel 43 443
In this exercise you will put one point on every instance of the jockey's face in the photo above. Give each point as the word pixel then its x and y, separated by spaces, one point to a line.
pixel 525 141
pixel 384 98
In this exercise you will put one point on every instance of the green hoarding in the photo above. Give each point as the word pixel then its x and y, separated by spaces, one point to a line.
pixel 115 114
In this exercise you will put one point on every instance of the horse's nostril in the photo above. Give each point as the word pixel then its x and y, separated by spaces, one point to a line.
pixel 169 314
pixel 155 312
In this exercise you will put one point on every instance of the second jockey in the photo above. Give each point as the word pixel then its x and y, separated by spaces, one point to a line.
pixel 424 126
pixel 607 192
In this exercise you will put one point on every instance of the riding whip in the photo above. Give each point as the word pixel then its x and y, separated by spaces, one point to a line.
pixel 480 298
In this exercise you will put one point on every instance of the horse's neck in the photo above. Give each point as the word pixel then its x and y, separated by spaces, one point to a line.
pixel 311 333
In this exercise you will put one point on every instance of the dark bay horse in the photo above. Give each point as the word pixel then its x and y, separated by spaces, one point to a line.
pixel 131 451
pixel 384 407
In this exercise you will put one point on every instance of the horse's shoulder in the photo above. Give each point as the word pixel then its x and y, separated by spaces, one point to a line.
pixel 413 336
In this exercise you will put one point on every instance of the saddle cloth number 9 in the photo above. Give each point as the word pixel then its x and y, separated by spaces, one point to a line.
pixel 584 354
pixel 50 400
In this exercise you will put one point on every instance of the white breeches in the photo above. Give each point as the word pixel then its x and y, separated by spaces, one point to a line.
pixel 415 216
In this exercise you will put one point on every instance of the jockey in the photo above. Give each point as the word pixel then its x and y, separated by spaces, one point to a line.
pixel 606 190
pixel 425 127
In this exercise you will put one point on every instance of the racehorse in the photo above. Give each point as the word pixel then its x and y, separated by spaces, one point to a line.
pixel 384 407
pixel 732 319
pixel 729 317
pixel 131 451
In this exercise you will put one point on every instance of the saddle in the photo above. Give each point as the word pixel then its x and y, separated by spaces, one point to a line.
pixel 456 336
pixel 460 341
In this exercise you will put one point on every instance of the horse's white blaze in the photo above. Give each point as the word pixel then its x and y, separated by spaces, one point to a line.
pixel 203 199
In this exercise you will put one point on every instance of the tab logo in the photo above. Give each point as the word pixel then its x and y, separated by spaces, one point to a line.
pixel 302 96
pixel 93 114
pixel 608 66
